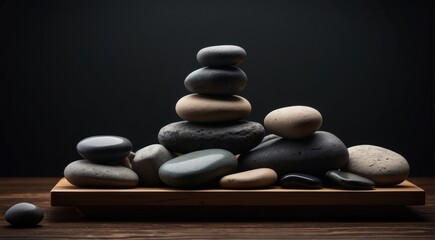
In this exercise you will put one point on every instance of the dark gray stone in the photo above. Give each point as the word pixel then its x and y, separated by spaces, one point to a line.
pixel 216 81
pixel 104 149
pixel 313 155
pixel 269 137
pixel 147 162
pixel 236 137
pixel 24 215
pixel 126 162
pixel 350 180
pixel 86 174
pixel 221 55
pixel 300 180
pixel 198 169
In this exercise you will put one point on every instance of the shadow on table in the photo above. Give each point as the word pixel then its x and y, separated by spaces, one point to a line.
pixel 237 213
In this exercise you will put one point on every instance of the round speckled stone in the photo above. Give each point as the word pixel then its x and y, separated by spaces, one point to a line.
pixel 24 215
pixel 381 165
pixel 221 55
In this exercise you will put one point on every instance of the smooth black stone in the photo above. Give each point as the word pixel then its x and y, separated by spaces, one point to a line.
pixel 104 149
pixel 221 55
pixel 216 81
pixel 24 215
pixel 300 180
pixel 314 155
pixel 236 137
pixel 350 180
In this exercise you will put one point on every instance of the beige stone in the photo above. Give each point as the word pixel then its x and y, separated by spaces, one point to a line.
pixel 207 109
pixel 293 122
pixel 257 178
pixel 381 165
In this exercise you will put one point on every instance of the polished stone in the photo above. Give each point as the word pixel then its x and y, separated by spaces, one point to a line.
pixel 24 215
pixel 104 149
pixel 216 81
pixel 301 181
pixel 383 166
pixel 221 55
pixel 350 180
pixel 198 169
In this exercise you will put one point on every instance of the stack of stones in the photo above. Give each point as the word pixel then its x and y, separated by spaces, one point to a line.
pixel 213 130
pixel 213 113
pixel 106 163
pixel 213 134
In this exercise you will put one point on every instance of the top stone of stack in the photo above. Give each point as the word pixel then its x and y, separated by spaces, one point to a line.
pixel 221 55
pixel 220 76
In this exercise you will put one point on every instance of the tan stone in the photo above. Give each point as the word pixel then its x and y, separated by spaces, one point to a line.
pixel 381 165
pixel 257 178
pixel 206 109
pixel 293 122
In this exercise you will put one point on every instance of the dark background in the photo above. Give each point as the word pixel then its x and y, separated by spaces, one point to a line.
pixel 72 69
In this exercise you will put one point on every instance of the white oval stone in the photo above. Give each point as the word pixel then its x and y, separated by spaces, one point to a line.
pixel 293 122
pixel 381 165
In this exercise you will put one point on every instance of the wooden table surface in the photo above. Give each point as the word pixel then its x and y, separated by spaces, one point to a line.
pixel 412 222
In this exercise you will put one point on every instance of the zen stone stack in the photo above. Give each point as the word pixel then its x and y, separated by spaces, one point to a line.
pixel 213 113
pixel 106 163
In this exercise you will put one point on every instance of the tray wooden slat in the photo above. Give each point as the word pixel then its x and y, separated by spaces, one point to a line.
pixel 65 194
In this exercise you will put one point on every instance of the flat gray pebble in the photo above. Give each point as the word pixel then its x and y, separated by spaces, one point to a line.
pixel 104 149
pixel 86 174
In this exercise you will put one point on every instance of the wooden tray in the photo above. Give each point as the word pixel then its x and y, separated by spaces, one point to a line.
pixel 128 201
pixel 168 202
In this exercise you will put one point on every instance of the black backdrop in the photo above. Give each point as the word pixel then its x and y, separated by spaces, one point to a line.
pixel 72 69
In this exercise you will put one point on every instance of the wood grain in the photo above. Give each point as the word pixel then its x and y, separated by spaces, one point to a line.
pixel 65 194
pixel 414 222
